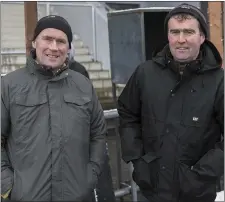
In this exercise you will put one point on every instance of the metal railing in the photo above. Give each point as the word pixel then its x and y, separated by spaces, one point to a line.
pixel 125 189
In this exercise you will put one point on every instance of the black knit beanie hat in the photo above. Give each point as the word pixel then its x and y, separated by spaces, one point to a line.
pixel 54 21
pixel 191 10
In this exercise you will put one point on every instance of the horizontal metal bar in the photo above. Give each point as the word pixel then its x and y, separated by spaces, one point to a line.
pixel 143 9
pixel 109 114
pixel 13 52
pixel 134 10
pixel 122 192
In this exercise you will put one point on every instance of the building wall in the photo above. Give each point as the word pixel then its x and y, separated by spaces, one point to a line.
pixel 216 25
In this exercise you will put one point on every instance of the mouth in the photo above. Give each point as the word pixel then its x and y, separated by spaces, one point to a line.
pixel 182 48
pixel 52 56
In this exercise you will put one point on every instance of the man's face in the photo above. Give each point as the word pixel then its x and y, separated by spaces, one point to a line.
pixel 51 47
pixel 184 38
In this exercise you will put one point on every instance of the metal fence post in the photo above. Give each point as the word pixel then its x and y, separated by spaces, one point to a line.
pixel 133 184
pixel 94 32
pixel 0 38
pixel 47 8
pixel 119 176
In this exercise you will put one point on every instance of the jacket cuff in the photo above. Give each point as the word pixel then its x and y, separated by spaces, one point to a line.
pixel 6 195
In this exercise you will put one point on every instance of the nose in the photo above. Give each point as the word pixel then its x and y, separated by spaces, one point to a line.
pixel 53 45
pixel 181 38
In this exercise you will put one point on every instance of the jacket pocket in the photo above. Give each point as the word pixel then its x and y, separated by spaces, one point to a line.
pixel 77 106
pixel 31 100
pixel 195 188
pixel 77 100
pixel 145 172
pixel 77 116
pixel 27 109
pixel 211 165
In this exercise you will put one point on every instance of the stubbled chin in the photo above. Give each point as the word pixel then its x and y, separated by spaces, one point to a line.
pixel 52 61
pixel 52 65
pixel 182 55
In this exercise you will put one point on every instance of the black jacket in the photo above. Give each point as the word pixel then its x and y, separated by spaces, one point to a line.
pixel 171 126
pixel 76 66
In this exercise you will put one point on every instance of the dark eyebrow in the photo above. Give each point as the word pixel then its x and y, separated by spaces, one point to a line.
pixel 47 37
pixel 174 30
pixel 182 30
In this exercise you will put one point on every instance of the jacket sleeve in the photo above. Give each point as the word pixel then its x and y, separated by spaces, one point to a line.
pixel 6 168
pixel 98 136
pixel 129 109
pixel 211 165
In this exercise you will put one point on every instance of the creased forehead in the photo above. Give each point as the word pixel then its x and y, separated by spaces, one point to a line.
pixel 53 33
pixel 180 22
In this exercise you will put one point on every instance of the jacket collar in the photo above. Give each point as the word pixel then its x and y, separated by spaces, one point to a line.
pixel 184 69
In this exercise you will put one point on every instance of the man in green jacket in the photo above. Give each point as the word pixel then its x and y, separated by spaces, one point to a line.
pixel 52 124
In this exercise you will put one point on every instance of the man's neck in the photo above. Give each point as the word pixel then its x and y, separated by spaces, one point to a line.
pixel 47 69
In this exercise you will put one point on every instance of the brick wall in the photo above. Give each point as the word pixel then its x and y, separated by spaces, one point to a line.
pixel 215 14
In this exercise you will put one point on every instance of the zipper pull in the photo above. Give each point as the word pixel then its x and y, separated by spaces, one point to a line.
pixel 181 74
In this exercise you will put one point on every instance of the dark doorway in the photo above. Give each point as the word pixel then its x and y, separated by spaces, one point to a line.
pixel 155 35
pixel 133 37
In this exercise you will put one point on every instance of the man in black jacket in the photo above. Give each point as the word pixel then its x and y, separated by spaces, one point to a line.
pixel 172 115
pixel 76 66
